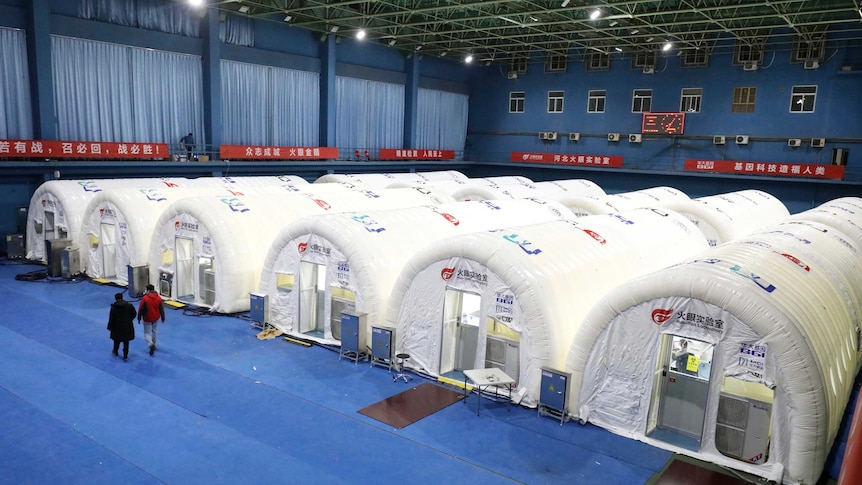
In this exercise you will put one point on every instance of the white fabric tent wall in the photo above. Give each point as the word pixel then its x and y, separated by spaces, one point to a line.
pixel 725 217
pixel 249 181
pixel 365 251
pixel 237 232
pixel 656 197
pixel 844 214
pixel 560 192
pixel 547 277
pixel 385 180
pixel 66 200
pixel 764 290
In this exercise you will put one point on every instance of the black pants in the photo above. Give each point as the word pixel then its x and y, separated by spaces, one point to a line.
pixel 125 347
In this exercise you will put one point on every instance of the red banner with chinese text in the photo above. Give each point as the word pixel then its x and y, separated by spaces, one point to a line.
pixel 80 149
pixel 565 159
pixel 405 154
pixel 779 169
pixel 236 152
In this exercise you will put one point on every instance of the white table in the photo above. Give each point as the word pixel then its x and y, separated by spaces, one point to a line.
pixel 485 378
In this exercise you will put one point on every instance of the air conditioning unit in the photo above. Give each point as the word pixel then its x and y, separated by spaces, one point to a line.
pixel 718 140
pixel 749 66
pixel 742 428
pixel 742 139
pixel 635 138
pixel 574 136
pixel 543 135
pixel 794 142
pixel 649 69
pixel 818 142
pixel 552 136
pixel 811 65
pixel 613 137
pixel 512 75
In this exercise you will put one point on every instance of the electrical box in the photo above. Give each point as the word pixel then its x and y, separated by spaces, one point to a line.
pixel 166 281
pixel 15 247
pixel 353 339
pixel 70 262
pixel 259 305
pixel 382 341
pixel 554 394
pixel 139 277
pixel 53 251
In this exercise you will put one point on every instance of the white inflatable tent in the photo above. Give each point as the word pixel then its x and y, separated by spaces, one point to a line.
pixel 387 180
pixel 349 262
pixel 245 182
pixel 590 205
pixel 725 217
pixel 763 386
pixel 513 298
pixel 57 208
pixel 844 214
pixel 561 192
pixel 208 251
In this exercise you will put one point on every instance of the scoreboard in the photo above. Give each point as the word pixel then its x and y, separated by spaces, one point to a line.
pixel 663 123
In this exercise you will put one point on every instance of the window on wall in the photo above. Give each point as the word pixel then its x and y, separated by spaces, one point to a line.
pixel 555 101
pixel 641 100
pixel 695 58
pixel 518 64
pixel 690 100
pixel 642 59
pixel 808 46
pixel 596 101
pixel 749 51
pixel 598 61
pixel 802 99
pixel 743 100
pixel 516 102
pixel 555 62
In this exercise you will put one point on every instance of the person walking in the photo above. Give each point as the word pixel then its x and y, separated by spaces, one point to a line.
pixel 151 309
pixel 121 324
pixel 187 143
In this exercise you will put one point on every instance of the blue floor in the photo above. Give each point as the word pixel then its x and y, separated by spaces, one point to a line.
pixel 217 405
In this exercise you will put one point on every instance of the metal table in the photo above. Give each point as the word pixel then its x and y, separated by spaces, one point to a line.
pixel 485 378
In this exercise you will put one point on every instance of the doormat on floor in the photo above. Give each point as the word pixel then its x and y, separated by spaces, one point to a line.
pixel 412 405
pixel 688 472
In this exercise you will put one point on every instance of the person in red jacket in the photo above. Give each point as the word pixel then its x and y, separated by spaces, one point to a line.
pixel 151 310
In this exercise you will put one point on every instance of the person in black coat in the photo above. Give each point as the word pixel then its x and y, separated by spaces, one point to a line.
pixel 121 323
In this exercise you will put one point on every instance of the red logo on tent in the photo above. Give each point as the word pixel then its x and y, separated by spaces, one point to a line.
pixel 447 273
pixel 302 246
pixel 322 204
pixel 595 236
pixel 796 261
pixel 177 225
pixel 102 211
pixel 43 202
pixel 169 184
pixel 660 315
pixel 449 217
pixel 234 192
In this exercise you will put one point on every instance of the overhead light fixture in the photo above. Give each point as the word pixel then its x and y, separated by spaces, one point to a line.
pixel 334 29
pixel 196 3
pixel 392 42
pixel 360 34
pixel 288 18
pixel 418 47
pixel 565 3
pixel 468 59
pixel 666 47
pixel 618 49
pixel 244 9
pixel 534 19
pixel 487 63
pixel 443 54
pixel 649 39
pixel 595 14
pixel 613 23
pixel 634 31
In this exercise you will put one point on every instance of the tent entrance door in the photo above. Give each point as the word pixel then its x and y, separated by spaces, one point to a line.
pixel 312 298
pixel 48 227
pixel 108 243
pixel 184 278
pixel 460 337
pixel 678 405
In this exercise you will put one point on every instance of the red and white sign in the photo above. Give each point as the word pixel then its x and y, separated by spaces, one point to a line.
pixel 405 154
pixel 806 170
pixel 80 149
pixel 237 152
pixel 564 159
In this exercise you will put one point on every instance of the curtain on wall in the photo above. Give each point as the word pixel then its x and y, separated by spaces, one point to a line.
pixel 162 15
pixel 16 119
pixel 269 106
pixel 368 114
pixel 111 92
pixel 237 30
pixel 441 120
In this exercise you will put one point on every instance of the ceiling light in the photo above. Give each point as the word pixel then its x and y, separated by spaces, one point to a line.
pixel 334 29
pixel 288 18
pixel 618 49
pixel 360 34
pixel 443 54
pixel 565 3
pixel 613 23
pixel 418 47
pixel 488 63
pixel 666 47
pixel 244 9
pixel 649 39
pixel 468 59
pixel 534 19
pixel 196 3
pixel 595 14
pixel 634 31
pixel 392 42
